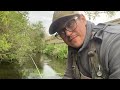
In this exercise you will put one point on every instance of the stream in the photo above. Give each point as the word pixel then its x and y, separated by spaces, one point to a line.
pixel 47 73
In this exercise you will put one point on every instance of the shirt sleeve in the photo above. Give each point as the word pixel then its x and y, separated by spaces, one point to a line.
pixel 114 59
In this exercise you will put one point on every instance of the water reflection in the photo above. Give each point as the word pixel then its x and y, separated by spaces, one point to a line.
pixel 49 73
pixel 46 73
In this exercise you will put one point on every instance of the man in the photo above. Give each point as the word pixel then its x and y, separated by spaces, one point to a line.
pixel 93 50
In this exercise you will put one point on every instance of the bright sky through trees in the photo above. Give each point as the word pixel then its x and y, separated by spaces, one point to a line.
pixel 46 18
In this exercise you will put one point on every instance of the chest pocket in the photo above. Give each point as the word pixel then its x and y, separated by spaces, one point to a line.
pixel 96 68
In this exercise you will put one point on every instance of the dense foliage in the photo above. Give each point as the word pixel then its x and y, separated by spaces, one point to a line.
pixel 58 51
pixel 18 38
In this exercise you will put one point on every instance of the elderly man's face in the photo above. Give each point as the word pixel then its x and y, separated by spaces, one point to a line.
pixel 74 34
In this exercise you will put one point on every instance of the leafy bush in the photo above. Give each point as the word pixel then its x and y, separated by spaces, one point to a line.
pixel 58 51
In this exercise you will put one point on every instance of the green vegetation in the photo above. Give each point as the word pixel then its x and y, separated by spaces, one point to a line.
pixel 18 40
pixel 58 54
pixel 58 51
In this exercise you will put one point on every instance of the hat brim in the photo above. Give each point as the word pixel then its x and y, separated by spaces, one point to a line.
pixel 59 24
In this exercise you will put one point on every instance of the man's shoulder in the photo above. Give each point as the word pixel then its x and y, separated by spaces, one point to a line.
pixel 105 29
pixel 108 35
pixel 113 28
pixel 108 27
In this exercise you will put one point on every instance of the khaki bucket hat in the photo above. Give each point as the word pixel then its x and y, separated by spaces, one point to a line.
pixel 60 18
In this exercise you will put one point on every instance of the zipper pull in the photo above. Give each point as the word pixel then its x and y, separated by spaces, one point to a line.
pixel 99 73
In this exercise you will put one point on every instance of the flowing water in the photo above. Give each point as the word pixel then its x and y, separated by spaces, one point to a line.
pixel 37 67
pixel 46 73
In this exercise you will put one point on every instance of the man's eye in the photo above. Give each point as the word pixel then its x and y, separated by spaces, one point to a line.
pixel 70 24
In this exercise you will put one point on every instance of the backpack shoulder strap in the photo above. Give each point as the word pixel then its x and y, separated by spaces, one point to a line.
pixel 96 67
pixel 75 67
